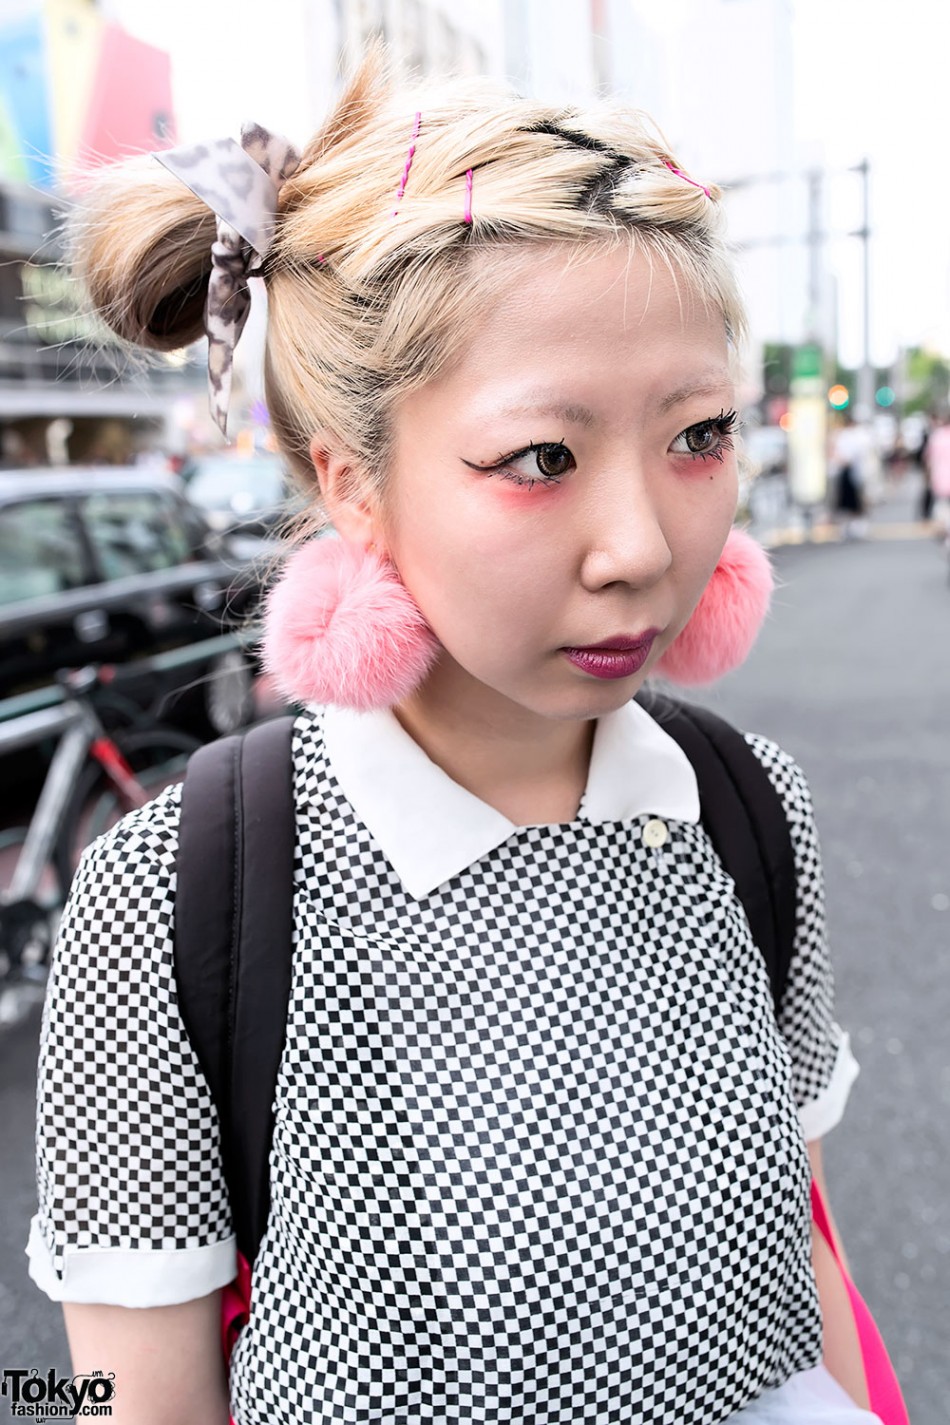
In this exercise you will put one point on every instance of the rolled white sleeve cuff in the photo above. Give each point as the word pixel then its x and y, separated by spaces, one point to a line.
pixel 825 1112
pixel 131 1277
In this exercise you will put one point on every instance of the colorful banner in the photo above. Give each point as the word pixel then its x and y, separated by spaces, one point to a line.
pixel 77 91
pixel 25 90
pixel 74 40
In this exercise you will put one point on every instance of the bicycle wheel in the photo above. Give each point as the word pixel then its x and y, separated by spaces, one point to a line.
pixel 158 758
pixel 11 844
pixel 26 926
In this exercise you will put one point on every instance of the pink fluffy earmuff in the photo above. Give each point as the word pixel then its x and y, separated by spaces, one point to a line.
pixel 725 623
pixel 341 627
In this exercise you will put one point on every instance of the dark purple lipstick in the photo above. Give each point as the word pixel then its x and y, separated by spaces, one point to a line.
pixel 617 657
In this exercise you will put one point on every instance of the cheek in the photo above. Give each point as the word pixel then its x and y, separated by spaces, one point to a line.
pixel 703 518
pixel 475 551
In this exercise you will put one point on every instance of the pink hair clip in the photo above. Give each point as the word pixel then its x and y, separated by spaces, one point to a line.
pixel 468 195
pixel 409 157
pixel 680 174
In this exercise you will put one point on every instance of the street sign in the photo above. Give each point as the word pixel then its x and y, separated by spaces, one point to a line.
pixel 807 428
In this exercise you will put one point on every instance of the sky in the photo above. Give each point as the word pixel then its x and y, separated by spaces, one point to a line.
pixel 870 80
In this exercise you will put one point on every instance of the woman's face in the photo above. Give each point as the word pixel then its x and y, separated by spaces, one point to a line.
pixel 570 481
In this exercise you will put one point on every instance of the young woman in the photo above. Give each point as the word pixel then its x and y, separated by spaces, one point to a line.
pixel 541 1150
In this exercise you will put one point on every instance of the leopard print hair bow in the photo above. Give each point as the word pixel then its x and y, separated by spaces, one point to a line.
pixel 239 183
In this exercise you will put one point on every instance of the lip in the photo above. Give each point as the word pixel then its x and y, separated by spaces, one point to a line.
pixel 617 657
pixel 622 643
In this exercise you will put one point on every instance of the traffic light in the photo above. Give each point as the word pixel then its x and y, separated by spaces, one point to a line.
pixel 839 396
pixel 884 395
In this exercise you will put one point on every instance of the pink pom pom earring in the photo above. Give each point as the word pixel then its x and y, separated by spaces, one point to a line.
pixel 726 622
pixel 341 627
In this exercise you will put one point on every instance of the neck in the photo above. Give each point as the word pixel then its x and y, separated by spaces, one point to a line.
pixel 533 769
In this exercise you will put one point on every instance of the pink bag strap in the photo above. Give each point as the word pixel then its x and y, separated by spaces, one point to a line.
pixel 884 1392
pixel 235 1309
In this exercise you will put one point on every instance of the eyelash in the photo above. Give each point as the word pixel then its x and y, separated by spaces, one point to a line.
pixel 501 465
pixel 724 424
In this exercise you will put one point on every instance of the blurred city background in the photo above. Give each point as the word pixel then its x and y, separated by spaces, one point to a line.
pixel 134 541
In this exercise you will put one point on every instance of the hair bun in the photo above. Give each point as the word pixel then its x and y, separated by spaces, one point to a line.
pixel 140 244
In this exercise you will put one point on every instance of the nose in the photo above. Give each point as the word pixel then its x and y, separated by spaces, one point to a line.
pixel 625 538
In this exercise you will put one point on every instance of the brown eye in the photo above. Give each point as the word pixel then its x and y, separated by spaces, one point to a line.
pixel 700 438
pixel 553 460
pixel 707 440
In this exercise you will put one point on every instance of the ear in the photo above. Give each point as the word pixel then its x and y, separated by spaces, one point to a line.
pixel 345 490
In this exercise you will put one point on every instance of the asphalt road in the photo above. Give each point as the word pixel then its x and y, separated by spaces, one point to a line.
pixel 852 676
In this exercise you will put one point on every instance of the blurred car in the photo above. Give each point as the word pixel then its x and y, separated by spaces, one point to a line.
pixel 243 494
pixel 114 566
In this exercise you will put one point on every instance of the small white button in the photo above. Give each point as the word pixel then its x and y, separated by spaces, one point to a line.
pixel 655 833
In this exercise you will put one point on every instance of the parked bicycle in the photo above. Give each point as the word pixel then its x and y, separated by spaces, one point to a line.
pixel 95 777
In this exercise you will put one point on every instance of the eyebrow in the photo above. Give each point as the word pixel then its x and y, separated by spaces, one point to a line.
pixel 560 410
pixel 569 411
pixel 709 386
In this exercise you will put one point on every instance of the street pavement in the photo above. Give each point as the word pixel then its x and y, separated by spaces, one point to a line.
pixel 852 676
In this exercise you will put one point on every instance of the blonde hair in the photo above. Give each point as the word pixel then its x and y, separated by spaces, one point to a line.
pixel 370 295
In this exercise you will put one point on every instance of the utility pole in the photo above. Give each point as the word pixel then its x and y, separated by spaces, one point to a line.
pixel 814 238
pixel 866 374
pixel 814 324
pixel 600 45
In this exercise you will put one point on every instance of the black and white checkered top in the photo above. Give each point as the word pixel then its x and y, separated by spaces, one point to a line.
pixel 539 1149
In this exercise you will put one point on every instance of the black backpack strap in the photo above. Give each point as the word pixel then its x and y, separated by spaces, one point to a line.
pixel 746 823
pixel 233 944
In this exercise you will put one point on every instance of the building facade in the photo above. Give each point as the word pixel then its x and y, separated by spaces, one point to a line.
pixel 67 390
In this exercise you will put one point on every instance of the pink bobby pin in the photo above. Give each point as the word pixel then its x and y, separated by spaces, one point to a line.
pixel 468 195
pixel 680 174
pixel 409 157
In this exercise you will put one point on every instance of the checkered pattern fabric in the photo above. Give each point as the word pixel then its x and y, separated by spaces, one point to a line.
pixel 537 1154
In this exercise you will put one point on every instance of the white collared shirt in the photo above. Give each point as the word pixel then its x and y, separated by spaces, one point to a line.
pixel 431 828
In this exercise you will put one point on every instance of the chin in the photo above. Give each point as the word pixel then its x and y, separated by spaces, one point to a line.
pixel 594 699
pixel 553 691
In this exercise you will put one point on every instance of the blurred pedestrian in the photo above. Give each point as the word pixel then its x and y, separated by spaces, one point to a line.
pixel 543 1148
pixel 937 467
pixel 919 455
pixel 852 453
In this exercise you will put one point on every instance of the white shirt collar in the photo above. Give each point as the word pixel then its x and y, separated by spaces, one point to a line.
pixel 430 828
